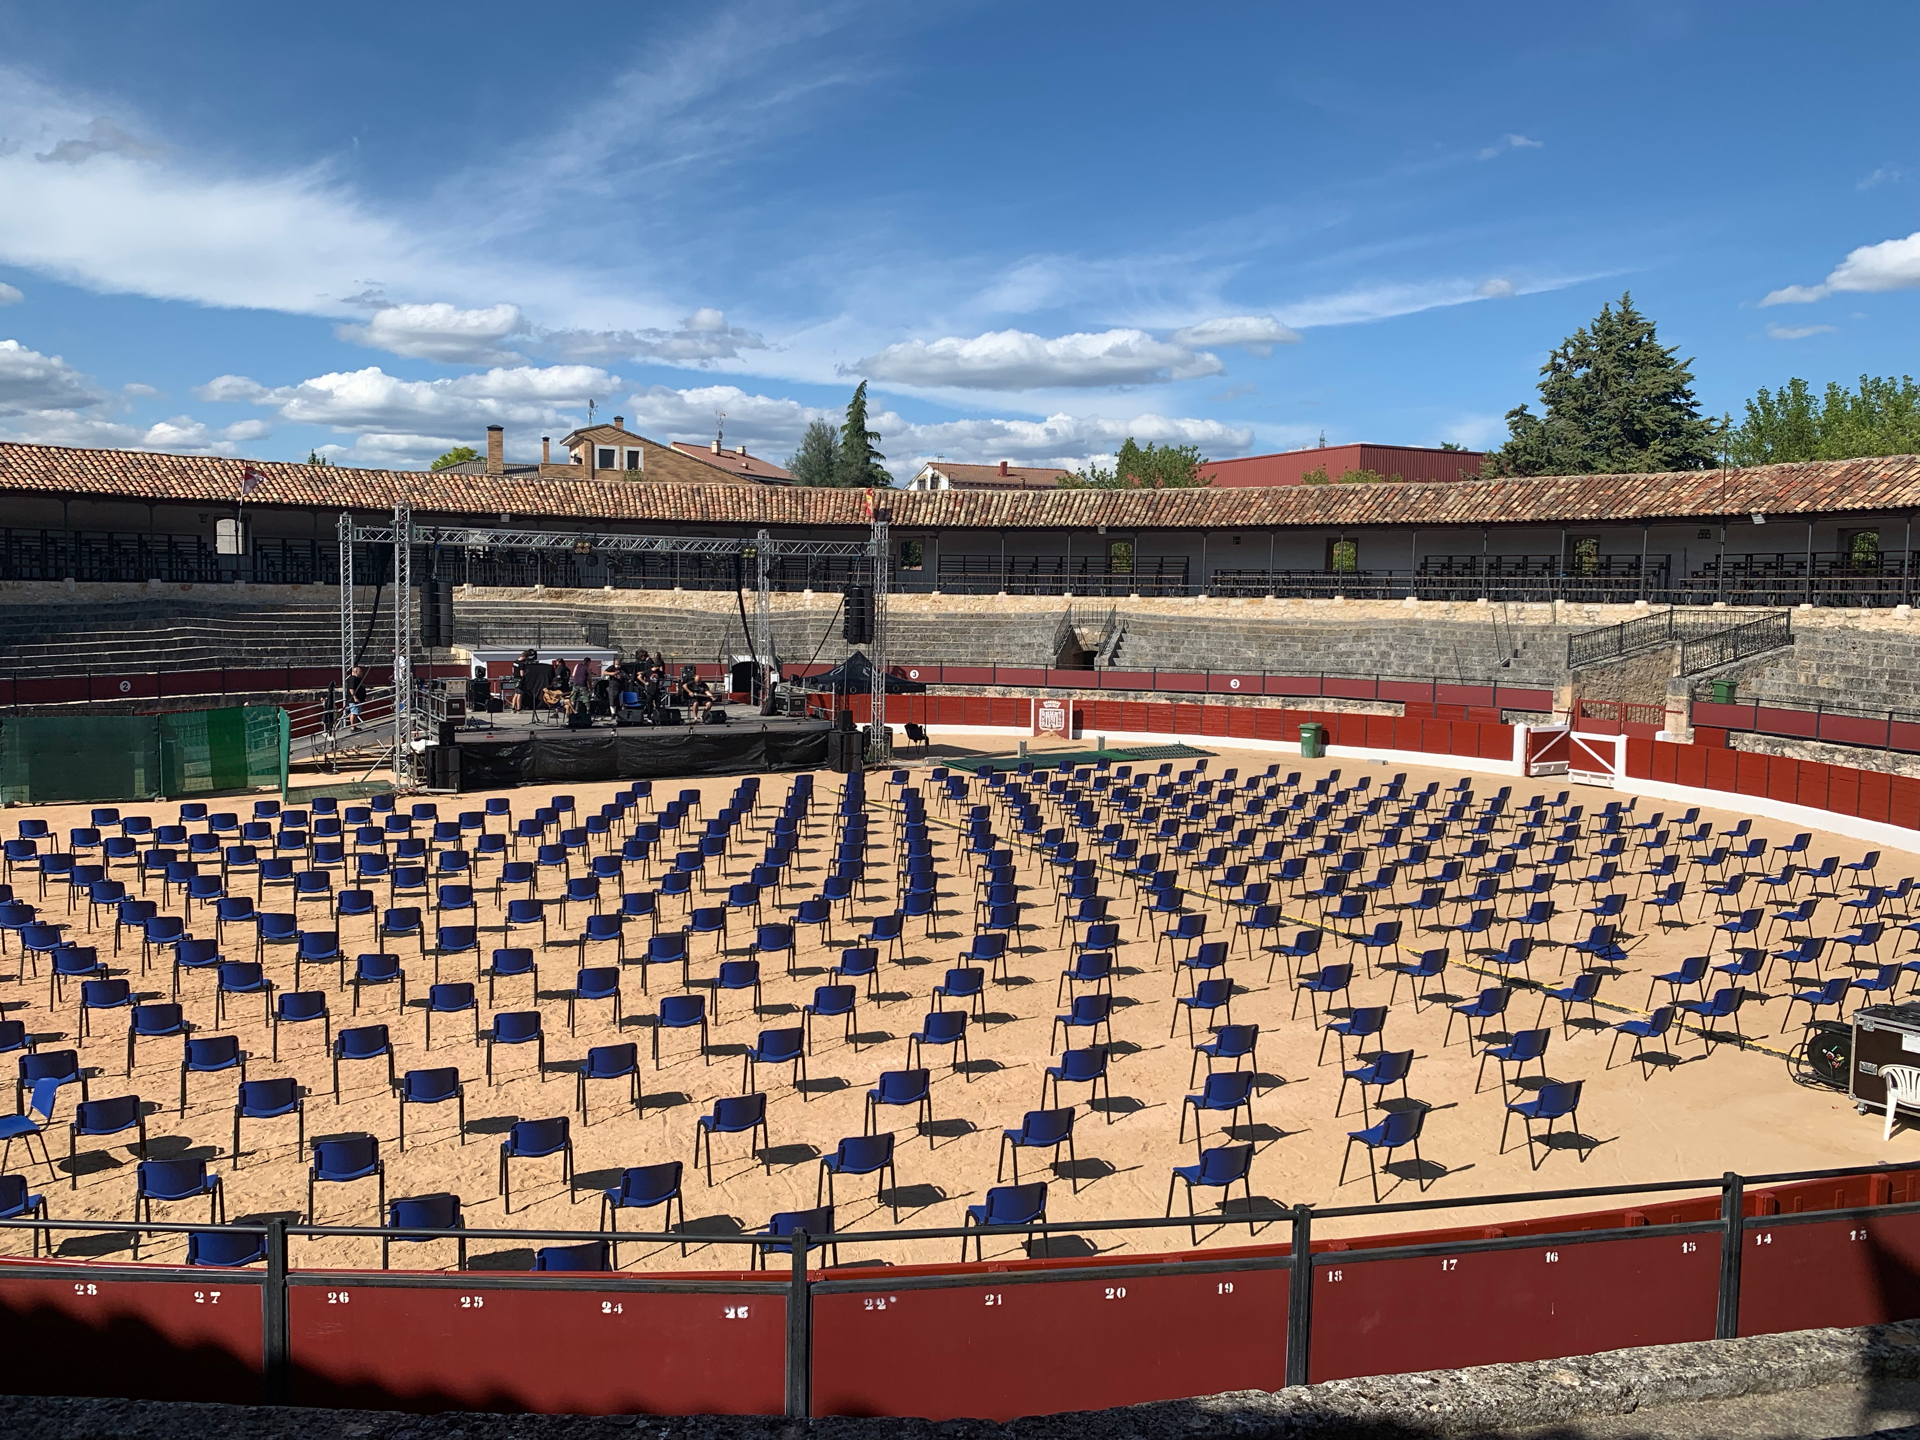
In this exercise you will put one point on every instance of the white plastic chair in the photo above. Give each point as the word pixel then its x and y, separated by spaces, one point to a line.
pixel 1903 1088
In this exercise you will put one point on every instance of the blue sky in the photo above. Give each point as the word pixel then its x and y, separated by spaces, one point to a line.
pixel 1035 229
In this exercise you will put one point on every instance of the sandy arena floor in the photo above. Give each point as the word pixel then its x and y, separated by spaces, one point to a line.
pixel 1697 1115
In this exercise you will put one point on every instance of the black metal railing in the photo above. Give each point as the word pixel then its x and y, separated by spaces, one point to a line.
pixel 1647 632
pixel 1057 575
pixel 805 1277
pixel 1723 647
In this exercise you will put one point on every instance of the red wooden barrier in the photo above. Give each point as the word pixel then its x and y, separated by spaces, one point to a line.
pixel 1373 1317
pixel 583 1351
pixel 160 1340
pixel 1857 1271
pixel 997 1351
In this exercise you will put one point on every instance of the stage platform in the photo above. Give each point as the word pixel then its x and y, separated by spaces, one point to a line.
pixel 514 751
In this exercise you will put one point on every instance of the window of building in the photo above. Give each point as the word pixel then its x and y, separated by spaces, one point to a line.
pixel 636 460
pixel 607 458
pixel 1860 550
pixel 1343 555
pixel 1120 557
pixel 912 555
pixel 230 537
pixel 1583 555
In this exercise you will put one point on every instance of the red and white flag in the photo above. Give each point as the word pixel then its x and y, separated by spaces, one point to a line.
pixel 250 478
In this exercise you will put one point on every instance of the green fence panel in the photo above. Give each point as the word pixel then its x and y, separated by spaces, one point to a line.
pixel 48 759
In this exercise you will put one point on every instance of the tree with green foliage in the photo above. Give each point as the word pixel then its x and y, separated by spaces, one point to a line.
pixel 458 455
pixel 815 462
pixel 314 457
pixel 1145 467
pixel 857 466
pixel 1882 417
pixel 1615 401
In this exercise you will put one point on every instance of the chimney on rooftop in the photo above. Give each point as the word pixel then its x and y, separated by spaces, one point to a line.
pixel 619 422
pixel 546 450
pixel 742 449
pixel 496 450
pixel 716 447
pixel 1003 467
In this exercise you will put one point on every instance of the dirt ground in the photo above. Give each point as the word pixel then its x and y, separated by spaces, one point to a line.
pixel 1697 1114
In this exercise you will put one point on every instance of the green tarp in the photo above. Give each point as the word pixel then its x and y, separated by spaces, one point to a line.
pixel 50 758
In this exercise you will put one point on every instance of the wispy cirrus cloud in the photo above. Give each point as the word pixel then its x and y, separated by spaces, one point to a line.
pixel 1019 360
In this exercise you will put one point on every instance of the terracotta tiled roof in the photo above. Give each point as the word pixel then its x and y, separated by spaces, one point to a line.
pixel 996 477
pixel 1889 483
pixel 734 461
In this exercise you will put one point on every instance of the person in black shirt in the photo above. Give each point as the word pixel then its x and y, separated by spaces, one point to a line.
pixel 699 699
pixel 523 680
pixel 356 696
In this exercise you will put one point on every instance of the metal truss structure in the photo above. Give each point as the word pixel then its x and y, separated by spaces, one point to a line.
pixel 412 718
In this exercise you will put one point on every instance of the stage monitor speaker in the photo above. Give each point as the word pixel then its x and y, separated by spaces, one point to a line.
pixel 443 767
pixel 445 736
pixel 843 722
pixel 1830 1052
pixel 579 720
pixel 716 717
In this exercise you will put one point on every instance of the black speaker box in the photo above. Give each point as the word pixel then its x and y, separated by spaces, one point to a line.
pixel 446 734
pixel 716 717
pixel 843 752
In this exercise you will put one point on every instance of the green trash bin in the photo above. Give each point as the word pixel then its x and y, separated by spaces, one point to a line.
pixel 1313 740
pixel 1723 692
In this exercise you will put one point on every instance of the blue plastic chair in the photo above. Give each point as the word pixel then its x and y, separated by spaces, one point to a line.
pixel 1006 1205
pixel 1398 1129
pixel 1724 1004
pixel 269 1100
pixel 362 1042
pixel 1087 1012
pixel 903 1087
pixel 432 1087
pixel 1228 1091
pixel 1221 1166
pixel 1555 1100
pixel 609 1062
pixel 99 1118
pixel 1363 1023
pixel 833 1002
pixel 1040 1130
pixel 174 1180
pixel 344 1159
pixel 518 1027
pixel 424 1212
pixel 733 1115
pixel 594 983
pixel 681 1012
pixel 1489 1004
pixel 226 1249
pixel 777 1047
pixel 17 1203
pixel 942 1027
pixel 670 948
pixel 642 1187
pixel 860 1155
pixel 1525 1047
pixel 1584 990
pixel 534 1140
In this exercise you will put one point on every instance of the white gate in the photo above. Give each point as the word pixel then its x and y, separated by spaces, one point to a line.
pixel 1596 759
pixel 1546 749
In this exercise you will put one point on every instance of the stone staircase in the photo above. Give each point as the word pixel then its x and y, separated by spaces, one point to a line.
pixel 166 634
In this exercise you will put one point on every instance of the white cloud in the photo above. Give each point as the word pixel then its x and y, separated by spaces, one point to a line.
pixel 1884 175
pixel 1256 333
pixel 1510 142
pixel 139 390
pixel 9 295
pixel 1017 360
pixel 1498 288
pixel 439 332
pixel 1476 432
pixel 553 396
pixel 103 138
pixel 702 338
pixel 1890 265
pixel 30 381
pixel 399 451
pixel 1799 332
pixel 232 390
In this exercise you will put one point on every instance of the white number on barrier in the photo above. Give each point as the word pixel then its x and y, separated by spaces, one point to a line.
pixel 879 1302
pixel 1765 1237
pixel 1687 1247
pixel 1233 684
pixel 1453 1264
pixel 1856 1234
pixel 736 1312
pixel 1116 1292
pixel 1553 1257
pixel 1226 1287
pixel 610 1307
pixel 473 1302
pixel 996 1299
pixel 337 1297
pixel 206 1297
pixel 1334 1277
pixel 86 1288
